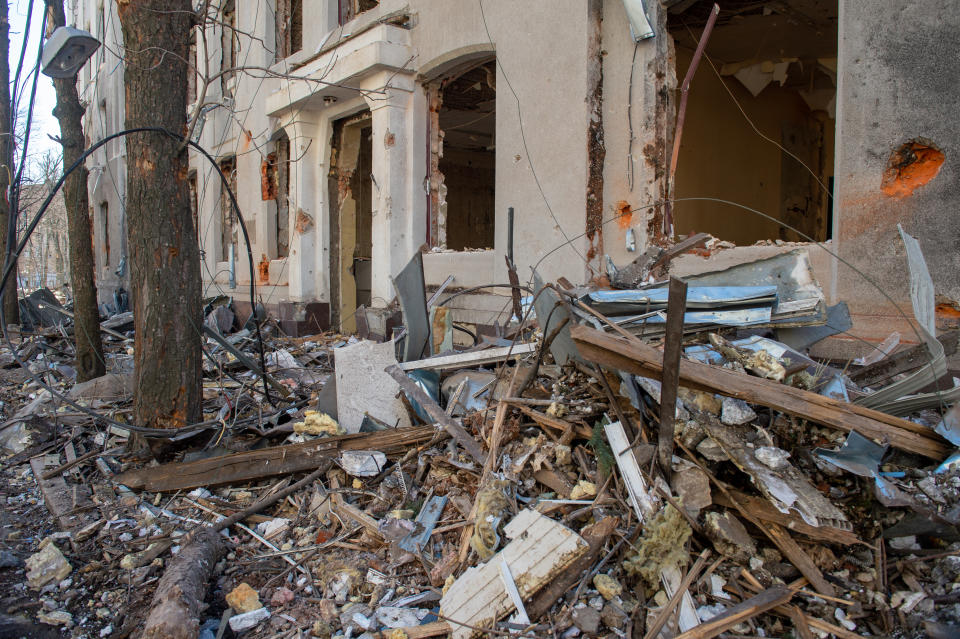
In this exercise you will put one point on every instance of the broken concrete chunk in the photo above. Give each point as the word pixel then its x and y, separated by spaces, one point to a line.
pixel 47 566
pixel 363 463
pixel 701 401
pixel 607 586
pixel 693 487
pixel 711 450
pixel 736 412
pixel 247 620
pixel 729 536
pixel 56 618
pixel 690 433
pixel 772 457
pixel 586 619
pixel 243 599
pixel 364 388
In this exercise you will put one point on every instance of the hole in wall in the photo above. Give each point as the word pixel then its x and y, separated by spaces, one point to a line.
pixel 911 165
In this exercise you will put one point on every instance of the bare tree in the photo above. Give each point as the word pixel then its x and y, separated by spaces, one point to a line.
pixel 86 323
pixel 164 255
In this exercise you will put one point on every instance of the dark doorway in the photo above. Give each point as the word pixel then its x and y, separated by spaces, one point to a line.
pixel 351 218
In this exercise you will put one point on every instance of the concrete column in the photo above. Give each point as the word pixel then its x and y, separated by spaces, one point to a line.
pixel 399 200
pixel 306 219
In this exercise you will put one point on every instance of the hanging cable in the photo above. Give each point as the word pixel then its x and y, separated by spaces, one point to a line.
pixel 31 227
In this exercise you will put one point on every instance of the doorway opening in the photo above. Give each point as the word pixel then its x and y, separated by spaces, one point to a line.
pixel 463 125
pixel 760 120
pixel 350 192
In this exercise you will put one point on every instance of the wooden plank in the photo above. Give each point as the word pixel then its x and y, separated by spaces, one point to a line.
pixel 471 359
pixel 596 536
pixel 642 359
pixel 458 432
pixel 267 462
pixel 432 629
pixel 643 504
pixel 540 549
pixel 765 511
pixel 342 507
pixel 672 348
pixel 744 610
pixel 63 501
pixel 798 557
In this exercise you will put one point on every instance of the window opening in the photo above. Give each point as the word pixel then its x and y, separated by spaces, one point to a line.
pixel 463 121
pixel 289 28
pixel 228 220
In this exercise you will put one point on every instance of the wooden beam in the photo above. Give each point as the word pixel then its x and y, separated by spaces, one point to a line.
pixel 62 501
pixel 765 511
pixel 744 610
pixel 642 359
pixel 267 462
pixel 458 432
pixel 672 348
pixel 471 359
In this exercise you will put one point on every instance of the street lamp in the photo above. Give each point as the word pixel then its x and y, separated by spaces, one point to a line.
pixel 66 50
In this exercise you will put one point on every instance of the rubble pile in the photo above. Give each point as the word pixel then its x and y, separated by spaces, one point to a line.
pixel 659 460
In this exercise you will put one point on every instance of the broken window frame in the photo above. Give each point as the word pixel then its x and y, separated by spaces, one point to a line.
pixel 437 189
pixel 288 24
pixel 228 225
pixel 229 46
pixel 347 10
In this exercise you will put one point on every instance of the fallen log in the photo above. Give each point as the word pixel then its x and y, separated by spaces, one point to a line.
pixel 177 602
pixel 267 462
pixel 636 357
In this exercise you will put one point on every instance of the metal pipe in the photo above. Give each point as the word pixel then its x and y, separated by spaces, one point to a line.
pixel 510 234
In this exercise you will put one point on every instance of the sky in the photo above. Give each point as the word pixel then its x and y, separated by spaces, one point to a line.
pixel 44 123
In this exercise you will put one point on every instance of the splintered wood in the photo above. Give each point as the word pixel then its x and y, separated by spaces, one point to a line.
pixel 638 358
pixel 268 462
pixel 786 486
pixel 539 549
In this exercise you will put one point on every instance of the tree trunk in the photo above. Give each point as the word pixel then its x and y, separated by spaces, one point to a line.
pixel 86 323
pixel 164 256
pixel 10 307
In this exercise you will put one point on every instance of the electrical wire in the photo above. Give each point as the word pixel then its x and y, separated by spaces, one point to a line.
pixel 4 282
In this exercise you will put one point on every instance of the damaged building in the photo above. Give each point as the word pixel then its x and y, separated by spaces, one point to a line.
pixel 357 133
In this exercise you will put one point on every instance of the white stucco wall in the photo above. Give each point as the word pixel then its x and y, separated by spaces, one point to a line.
pixel 545 74
pixel 100 85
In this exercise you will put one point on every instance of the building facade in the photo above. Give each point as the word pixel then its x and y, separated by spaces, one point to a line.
pixel 357 133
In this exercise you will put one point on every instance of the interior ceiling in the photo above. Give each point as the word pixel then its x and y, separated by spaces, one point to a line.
pixel 468 109
pixel 757 30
